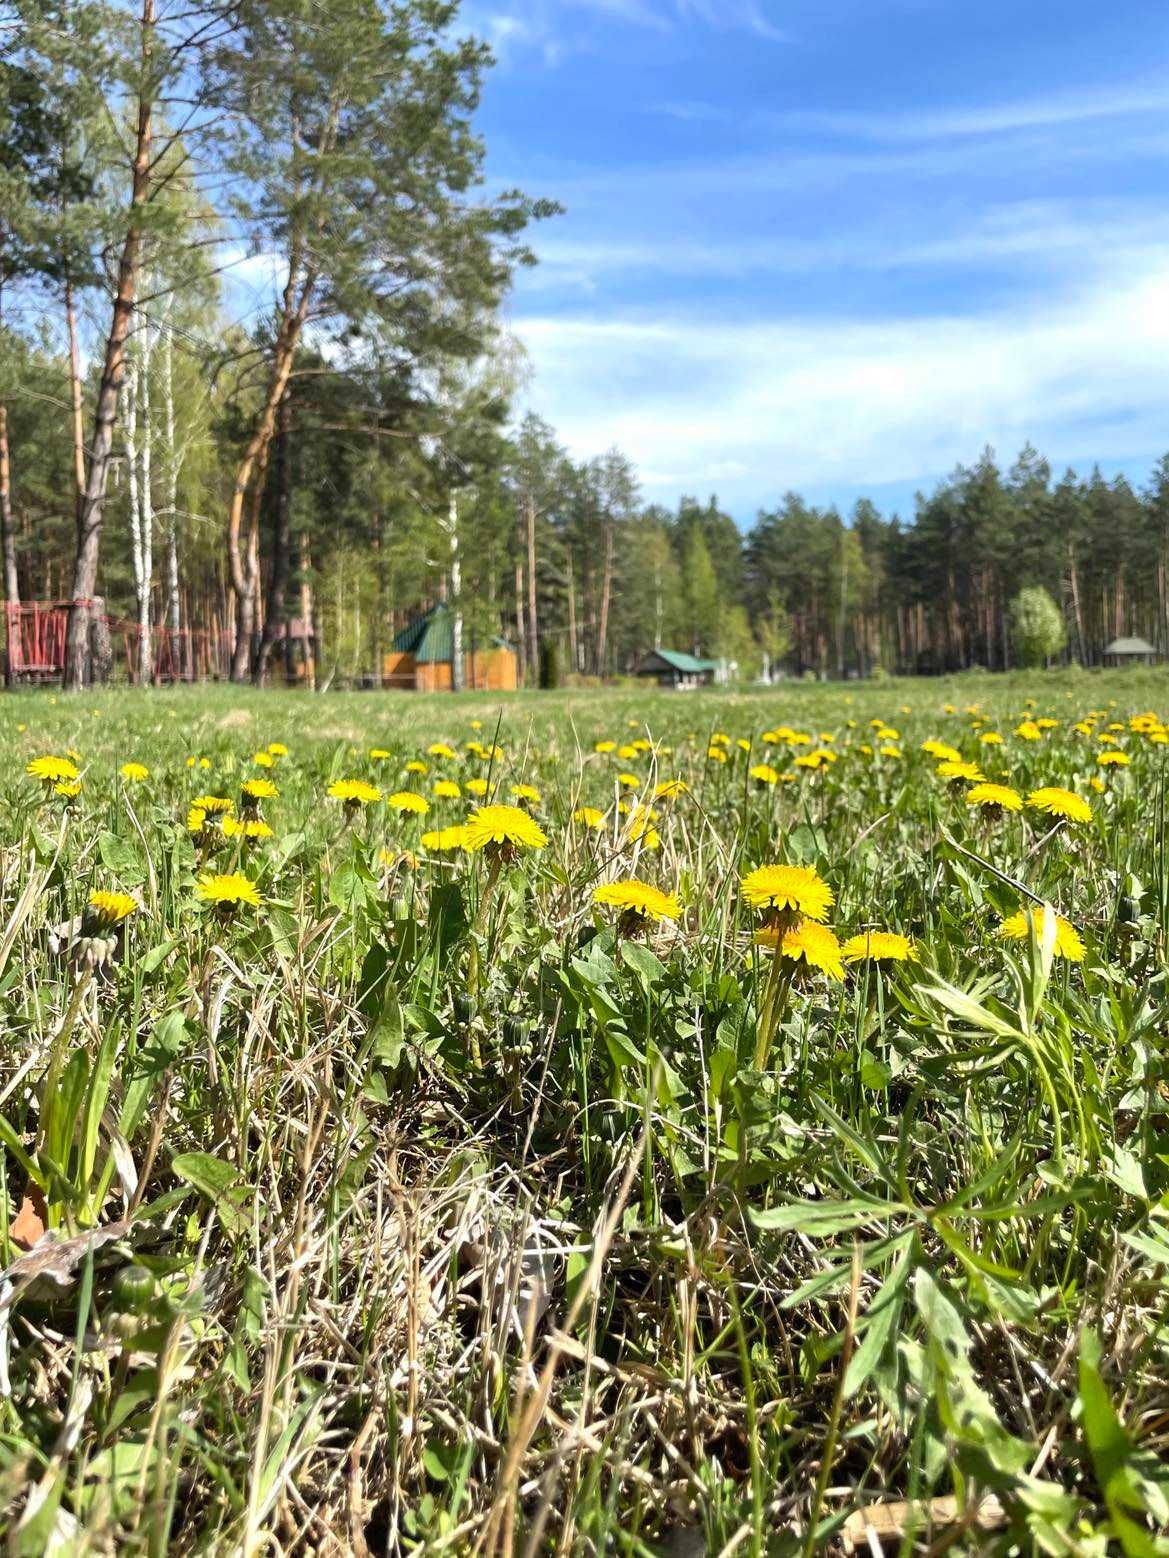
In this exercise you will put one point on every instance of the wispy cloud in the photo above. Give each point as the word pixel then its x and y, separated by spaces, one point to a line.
pixel 789 402
pixel 1123 101
pixel 1048 234
pixel 551 28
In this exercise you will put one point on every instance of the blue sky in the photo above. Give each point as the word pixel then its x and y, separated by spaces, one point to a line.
pixel 839 245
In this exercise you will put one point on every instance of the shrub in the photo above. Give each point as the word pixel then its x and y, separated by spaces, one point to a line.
pixel 1037 626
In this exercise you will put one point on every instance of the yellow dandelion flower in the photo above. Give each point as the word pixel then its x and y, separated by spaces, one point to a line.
pixel 1057 802
pixel 1028 730
pixel 378 754
pixel 134 773
pixel 407 800
pixel 213 805
pixel 589 817
pixel 445 838
pixel 1113 759
pixel 992 796
pixel 795 888
pixel 941 752
pixel 526 792
pixel 259 790
pixel 263 759
pixel 196 819
pixel 111 908
pixel 251 828
pixel 1067 941
pixel 879 946
pixel 639 899
pixel 604 746
pixel 503 827
pixel 991 738
pixel 227 891
pixel 446 790
pixel 355 792
pixel 958 770
pixel 763 773
pixel 806 942
pixel 416 766
pixel 476 787
pixel 440 749
pixel 277 749
pixel 53 770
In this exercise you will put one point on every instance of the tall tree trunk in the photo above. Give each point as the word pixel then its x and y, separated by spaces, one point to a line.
pixel 78 658
pixel 573 648
pixel 145 636
pixel 173 614
pixel 456 598
pixel 76 414
pixel 521 632
pixel 8 546
pixel 1077 614
pixel 247 598
pixel 606 592
pixel 276 618
pixel 306 614
pixel 293 314
pixel 533 630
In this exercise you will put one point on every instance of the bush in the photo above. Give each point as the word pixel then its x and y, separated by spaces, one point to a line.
pixel 1037 626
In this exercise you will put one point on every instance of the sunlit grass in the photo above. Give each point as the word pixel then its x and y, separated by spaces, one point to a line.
pixel 386 1195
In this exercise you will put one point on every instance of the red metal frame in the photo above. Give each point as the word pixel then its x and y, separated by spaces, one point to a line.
pixel 34 637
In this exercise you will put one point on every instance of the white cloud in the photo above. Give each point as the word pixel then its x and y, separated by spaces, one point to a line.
pixel 1047 234
pixel 757 408
pixel 551 28
pixel 1124 100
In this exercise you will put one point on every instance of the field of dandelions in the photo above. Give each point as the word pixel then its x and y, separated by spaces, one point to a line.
pixel 611 1122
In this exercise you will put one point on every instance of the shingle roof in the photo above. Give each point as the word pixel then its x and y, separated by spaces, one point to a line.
pixel 1130 646
pixel 430 638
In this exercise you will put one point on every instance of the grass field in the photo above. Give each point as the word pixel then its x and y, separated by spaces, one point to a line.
pixel 429 1204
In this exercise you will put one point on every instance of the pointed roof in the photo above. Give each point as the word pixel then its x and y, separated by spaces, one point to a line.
pixel 430 638
pixel 1130 646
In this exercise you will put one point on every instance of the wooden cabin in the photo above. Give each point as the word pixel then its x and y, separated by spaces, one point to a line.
pixel 423 652
pixel 672 668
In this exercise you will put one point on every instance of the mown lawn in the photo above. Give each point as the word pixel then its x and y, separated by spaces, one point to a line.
pixel 426 1203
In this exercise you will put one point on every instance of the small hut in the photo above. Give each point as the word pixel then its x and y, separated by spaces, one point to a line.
pixel 422 657
pixel 1130 651
pixel 673 668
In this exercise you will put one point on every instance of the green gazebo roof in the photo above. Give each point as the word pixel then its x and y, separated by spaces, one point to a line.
pixel 430 637
pixel 688 665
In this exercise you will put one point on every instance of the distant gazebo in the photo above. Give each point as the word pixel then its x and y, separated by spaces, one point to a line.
pixel 1128 651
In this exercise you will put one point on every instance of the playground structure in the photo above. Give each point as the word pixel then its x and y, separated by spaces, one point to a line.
pixel 34 644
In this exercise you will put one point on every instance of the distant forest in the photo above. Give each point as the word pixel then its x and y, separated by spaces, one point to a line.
pixel 346 451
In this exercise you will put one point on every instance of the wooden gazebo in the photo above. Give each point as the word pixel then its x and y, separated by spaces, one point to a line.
pixel 1130 651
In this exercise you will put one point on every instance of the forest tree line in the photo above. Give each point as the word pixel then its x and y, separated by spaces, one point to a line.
pixel 347 450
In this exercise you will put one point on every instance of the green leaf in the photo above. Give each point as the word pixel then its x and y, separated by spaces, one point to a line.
pixel 119 856
pixel 820 1219
pixel 215 1180
pixel 880 1324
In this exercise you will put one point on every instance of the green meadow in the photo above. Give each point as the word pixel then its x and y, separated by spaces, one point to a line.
pixel 409 1198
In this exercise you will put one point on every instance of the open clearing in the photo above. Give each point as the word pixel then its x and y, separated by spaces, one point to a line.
pixel 429 1204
